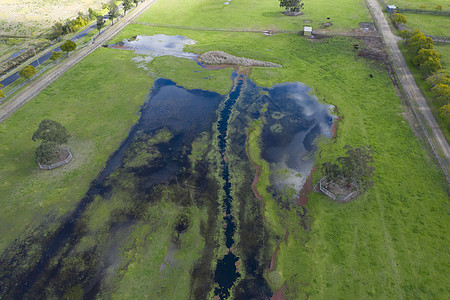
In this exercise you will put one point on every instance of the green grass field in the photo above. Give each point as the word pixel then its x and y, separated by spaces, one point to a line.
pixel 444 51
pixel 98 115
pixel 429 24
pixel 423 4
pixel 392 242
pixel 256 15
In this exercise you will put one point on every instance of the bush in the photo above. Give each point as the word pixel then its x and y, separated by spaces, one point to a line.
pixel 398 18
pixel 438 77
pixel 428 60
pixel 445 113
pixel 419 41
pixel 47 153
pixel 55 56
pixel 442 92
pixel 51 131
pixel 356 169
pixel 292 5
pixel 27 72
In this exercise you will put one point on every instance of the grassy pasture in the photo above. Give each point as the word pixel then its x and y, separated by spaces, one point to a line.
pixel 423 4
pixel 256 15
pixel 444 51
pixel 429 24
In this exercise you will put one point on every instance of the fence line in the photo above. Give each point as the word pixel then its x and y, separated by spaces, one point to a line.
pixel 422 11
pixel 58 164
pixel 337 198
pixel 325 191
pixel 442 39
pixel 417 11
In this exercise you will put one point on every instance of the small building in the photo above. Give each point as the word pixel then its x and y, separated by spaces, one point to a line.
pixel 307 31
pixel 391 8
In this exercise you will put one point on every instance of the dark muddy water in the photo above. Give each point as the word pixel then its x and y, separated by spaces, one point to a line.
pixel 226 272
pixel 293 120
pixel 183 113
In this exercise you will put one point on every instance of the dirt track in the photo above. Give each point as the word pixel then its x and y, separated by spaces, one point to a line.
pixel 436 138
pixel 41 83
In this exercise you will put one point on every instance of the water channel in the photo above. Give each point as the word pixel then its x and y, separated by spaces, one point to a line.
pixel 226 271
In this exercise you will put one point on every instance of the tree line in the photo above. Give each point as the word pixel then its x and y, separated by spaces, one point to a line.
pixel 427 60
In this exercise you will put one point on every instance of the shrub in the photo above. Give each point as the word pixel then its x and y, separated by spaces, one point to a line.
pixel 398 18
pixel 419 41
pixel 47 152
pixel 445 113
pixel 428 60
pixel 442 92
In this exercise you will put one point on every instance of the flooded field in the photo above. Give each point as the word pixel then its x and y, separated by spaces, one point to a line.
pixel 181 182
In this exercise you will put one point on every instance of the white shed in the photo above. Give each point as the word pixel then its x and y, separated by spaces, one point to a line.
pixel 307 31
pixel 391 7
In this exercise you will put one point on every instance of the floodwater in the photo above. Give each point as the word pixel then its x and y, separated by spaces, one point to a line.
pixel 293 121
pixel 185 114
pixel 226 271
pixel 149 47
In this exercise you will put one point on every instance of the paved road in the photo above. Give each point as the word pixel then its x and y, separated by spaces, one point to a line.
pixel 13 77
pixel 409 85
pixel 42 82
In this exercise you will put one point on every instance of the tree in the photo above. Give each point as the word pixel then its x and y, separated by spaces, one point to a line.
pixel 445 113
pixel 47 152
pixel 78 23
pixel 428 60
pixel 355 169
pixel 439 7
pixel 55 56
pixel 136 2
pixel 442 93
pixel 1 92
pixel 100 23
pixel 51 131
pixel 407 33
pixel 398 18
pixel 57 29
pixel 332 172
pixel 440 76
pixel 356 166
pixel 127 4
pixel 27 72
pixel 52 135
pixel 419 41
pixel 113 11
pixel 292 5
pixel 92 14
pixel 68 46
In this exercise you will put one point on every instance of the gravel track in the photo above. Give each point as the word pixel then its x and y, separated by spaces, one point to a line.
pixel 436 138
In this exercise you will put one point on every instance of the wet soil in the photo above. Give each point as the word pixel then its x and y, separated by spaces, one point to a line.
pixel 306 189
